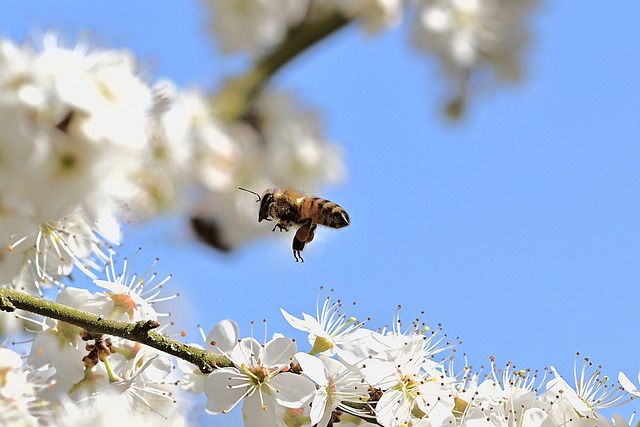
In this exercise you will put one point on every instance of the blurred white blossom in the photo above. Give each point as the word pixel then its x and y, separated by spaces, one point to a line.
pixel 294 149
pixel 74 139
pixel 373 15
pixel 17 392
pixel 483 38
pixel 253 26
pixel 189 149
pixel 113 407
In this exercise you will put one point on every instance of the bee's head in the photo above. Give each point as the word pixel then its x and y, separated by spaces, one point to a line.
pixel 266 201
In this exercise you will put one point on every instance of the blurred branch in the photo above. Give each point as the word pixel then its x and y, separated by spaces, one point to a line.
pixel 234 99
pixel 141 332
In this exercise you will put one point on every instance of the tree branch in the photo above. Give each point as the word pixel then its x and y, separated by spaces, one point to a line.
pixel 139 331
pixel 234 99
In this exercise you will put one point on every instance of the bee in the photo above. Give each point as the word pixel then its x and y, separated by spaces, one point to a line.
pixel 290 208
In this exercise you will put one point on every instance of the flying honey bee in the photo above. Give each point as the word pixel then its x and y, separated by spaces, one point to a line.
pixel 290 208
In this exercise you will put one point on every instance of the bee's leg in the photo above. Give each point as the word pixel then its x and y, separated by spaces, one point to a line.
pixel 304 235
pixel 298 246
pixel 296 252
pixel 279 226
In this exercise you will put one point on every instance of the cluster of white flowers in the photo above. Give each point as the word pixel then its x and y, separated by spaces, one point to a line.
pixel 26 398
pixel 76 373
pixel 86 143
pixel 356 376
pixel 80 143
pixel 351 375
pixel 73 133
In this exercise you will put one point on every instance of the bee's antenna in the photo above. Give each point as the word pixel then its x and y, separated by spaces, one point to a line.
pixel 249 191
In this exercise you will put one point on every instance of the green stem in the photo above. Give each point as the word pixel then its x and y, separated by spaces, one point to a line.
pixel 234 99
pixel 139 331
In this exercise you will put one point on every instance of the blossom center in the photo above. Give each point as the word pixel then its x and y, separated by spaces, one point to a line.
pixel 409 385
pixel 122 303
pixel 258 373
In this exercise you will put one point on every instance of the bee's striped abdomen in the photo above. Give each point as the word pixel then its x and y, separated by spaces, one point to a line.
pixel 324 212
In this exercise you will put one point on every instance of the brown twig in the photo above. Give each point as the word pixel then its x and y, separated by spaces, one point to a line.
pixel 141 332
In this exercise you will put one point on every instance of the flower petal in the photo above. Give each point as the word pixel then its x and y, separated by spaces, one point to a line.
pixel 225 335
pixel 626 384
pixel 313 368
pixel 224 388
pixel 259 410
pixel 294 321
pixel 246 352
pixel 319 413
pixel 279 351
pixel 534 417
pixel 291 390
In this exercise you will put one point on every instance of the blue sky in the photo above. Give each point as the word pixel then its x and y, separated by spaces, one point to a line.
pixel 518 229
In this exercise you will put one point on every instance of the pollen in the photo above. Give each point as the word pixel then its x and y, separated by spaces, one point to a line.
pixel 106 92
pixel 123 303
pixel 68 161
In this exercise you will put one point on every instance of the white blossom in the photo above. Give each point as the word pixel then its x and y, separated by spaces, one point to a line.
pixel 332 332
pixel 628 385
pixel 477 42
pixel 374 15
pixel 253 26
pixel 591 393
pixel 81 363
pixel 221 339
pixel 414 388
pixel 260 380
pixel 295 147
pixel 337 384
pixel 113 407
pixel 17 392
pixel 74 124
